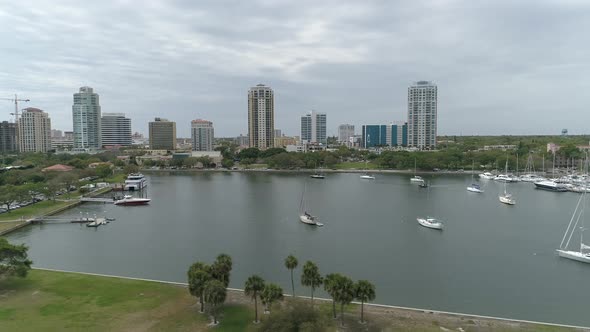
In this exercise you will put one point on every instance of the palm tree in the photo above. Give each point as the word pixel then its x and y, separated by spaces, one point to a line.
pixel 330 282
pixel 364 291
pixel 221 269
pixel 198 275
pixel 291 263
pixel 253 286
pixel 271 293
pixel 311 277
pixel 344 294
pixel 214 294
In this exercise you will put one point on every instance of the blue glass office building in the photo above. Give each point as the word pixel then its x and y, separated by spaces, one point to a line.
pixel 384 135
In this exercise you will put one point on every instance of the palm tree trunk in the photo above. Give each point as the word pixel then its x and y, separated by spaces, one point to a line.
pixel 255 309
pixel 312 296
pixel 362 307
pixel 334 307
pixel 342 314
pixel 201 301
pixel 292 283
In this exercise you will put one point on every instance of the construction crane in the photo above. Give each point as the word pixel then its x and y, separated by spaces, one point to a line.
pixel 15 100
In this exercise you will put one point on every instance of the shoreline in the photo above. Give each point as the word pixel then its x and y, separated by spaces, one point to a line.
pixel 371 308
pixel 308 171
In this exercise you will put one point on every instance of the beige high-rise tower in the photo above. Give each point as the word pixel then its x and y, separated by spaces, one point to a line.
pixel 422 115
pixel 34 127
pixel 261 117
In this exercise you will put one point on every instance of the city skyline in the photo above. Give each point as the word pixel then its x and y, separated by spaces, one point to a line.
pixel 348 59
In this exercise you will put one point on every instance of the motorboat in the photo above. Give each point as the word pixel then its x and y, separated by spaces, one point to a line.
pixel 531 178
pixel 135 181
pixel 505 178
pixel 130 200
pixel 367 177
pixel 550 185
pixel 474 188
pixel 97 222
pixel 429 222
pixel 487 176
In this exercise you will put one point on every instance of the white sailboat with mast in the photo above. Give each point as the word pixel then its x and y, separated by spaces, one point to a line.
pixel 583 255
pixel 507 198
pixel 416 178
pixel 304 216
pixel 474 187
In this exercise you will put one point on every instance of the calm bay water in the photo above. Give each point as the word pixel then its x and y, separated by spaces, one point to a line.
pixel 491 259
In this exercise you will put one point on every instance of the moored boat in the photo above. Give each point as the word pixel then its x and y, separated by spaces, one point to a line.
pixel 429 222
pixel 367 177
pixel 135 181
pixel 487 176
pixel 550 185
pixel 128 200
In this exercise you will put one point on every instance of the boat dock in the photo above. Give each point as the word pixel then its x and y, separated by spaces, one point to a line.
pixel 97 199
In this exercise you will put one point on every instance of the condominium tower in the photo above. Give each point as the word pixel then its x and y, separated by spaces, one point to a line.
pixel 345 132
pixel 7 137
pixel 202 135
pixel 34 128
pixel 422 115
pixel 313 128
pixel 261 117
pixel 86 116
pixel 162 134
pixel 116 129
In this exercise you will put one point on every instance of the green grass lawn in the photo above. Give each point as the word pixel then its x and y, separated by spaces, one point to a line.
pixel 117 178
pixel 37 209
pixel 55 301
pixel 355 165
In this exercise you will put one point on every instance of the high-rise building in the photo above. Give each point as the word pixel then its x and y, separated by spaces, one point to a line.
pixel 56 133
pixel 115 129
pixel 422 115
pixel 86 116
pixel 345 132
pixel 278 133
pixel 202 135
pixel 34 127
pixel 162 134
pixel 393 135
pixel 313 128
pixel 7 137
pixel 261 117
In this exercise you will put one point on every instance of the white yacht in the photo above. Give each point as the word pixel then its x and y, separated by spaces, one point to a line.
pixel 507 199
pixel 304 216
pixel 417 179
pixel 551 186
pixel 135 181
pixel 429 222
pixel 583 255
pixel 475 188
pixel 487 176
pixel 367 177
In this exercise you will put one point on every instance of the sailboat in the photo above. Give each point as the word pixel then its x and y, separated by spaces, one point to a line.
pixel 318 175
pixel 474 187
pixel 430 222
pixel 584 254
pixel 507 198
pixel 366 176
pixel 304 216
pixel 416 178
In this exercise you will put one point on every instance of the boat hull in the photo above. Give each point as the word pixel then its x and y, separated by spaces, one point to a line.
pixel 317 176
pixel 306 220
pixel 550 186
pixel 133 202
pixel 474 190
pixel 367 177
pixel 507 200
pixel 574 255
pixel 428 224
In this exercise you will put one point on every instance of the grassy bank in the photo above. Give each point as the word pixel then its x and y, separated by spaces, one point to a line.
pixel 355 165
pixel 56 301
pixel 33 210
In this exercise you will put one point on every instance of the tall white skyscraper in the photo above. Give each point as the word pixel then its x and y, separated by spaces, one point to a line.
pixel 313 128
pixel 35 131
pixel 87 120
pixel 115 129
pixel 422 115
pixel 345 132
pixel 202 135
pixel 261 117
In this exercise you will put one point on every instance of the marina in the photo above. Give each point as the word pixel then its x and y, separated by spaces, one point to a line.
pixel 370 232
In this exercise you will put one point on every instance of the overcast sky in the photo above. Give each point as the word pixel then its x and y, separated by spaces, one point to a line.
pixel 502 67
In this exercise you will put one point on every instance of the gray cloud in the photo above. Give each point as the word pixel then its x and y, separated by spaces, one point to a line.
pixel 501 66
